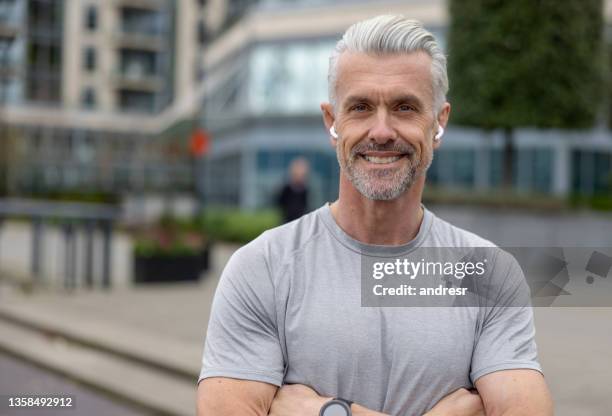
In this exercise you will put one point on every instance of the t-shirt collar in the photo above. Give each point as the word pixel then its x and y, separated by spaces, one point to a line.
pixel 374 249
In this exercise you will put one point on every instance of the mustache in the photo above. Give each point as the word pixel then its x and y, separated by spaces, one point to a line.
pixel 395 146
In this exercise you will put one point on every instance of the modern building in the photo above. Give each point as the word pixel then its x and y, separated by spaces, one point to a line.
pixel 88 87
pixel 99 95
pixel 266 76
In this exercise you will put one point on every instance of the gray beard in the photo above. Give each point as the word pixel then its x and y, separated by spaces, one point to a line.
pixel 382 184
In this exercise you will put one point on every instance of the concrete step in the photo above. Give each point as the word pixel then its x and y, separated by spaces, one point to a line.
pixel 175 357
pixel 141 344
pixel 144 386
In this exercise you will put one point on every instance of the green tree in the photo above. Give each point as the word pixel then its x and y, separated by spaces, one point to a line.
pixel 525 63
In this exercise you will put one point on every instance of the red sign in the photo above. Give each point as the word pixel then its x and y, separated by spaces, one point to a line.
pixel 199 143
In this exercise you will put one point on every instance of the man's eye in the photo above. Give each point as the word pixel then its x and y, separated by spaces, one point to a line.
pixel 405 107
pixel 359 107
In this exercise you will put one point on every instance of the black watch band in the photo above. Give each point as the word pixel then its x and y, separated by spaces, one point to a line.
pixel 332 406
pixel 348 402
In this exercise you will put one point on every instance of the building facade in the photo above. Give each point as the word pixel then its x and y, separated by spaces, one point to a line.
pixel 88 86
pixel 267 75
pixel 98 95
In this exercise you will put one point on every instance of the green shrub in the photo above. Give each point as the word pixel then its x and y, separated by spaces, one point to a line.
pixel 601 202
pixel 497 199
pixel 97 197
pixel 171 237
pixel 233 225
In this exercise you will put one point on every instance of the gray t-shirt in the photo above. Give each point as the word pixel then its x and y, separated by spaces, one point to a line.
pixel 288 310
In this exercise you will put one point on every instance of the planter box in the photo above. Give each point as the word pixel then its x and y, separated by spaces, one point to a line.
pixel 159 268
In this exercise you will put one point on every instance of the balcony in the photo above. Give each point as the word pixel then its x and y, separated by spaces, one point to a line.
pixel 9 68
pixel 141 42
pixel 10 92
pixel 147 83
pixel 11 58
pixel 9 29
pixel 45 20
pixel 10 18
pixel 136 102
pixel 143 30
pixel 137 73
pixel 153 5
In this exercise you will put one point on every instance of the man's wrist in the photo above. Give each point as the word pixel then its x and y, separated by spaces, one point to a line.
pixel 359 410
pixel 337 406
pixel 320 402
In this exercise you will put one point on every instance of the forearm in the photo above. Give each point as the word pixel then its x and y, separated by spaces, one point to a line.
pixel 519 392
pixel 297 399
pixel 523 412
pixel 535 405
pixel 221 396
pixel 544 411
pixel 358 410
pixel 300 400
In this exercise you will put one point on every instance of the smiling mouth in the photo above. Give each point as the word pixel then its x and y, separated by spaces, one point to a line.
pixel 381 160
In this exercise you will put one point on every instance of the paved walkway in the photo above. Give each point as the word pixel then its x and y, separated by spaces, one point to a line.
pixel 19 377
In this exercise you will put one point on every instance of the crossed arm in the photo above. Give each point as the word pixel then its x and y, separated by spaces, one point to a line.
pixel 501 393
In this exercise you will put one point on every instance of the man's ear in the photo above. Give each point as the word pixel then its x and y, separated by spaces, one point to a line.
pixel 327 111
pixel 443 116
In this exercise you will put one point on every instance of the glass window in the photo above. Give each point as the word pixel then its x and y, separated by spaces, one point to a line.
pixel 6 7
pixel 453 168
pixel 91 18
pixel 433 175
pixel 603 173
pixel 222 181
pixel 144 22
pixel 137 64
pixel 89 59
pixel 542 170
pixel 531 172
pixel 289 78
pixel 463 168
pixel 44 17
pixel 202 33
pixel 496 165
pixel 10 91
pixel 5 51
pixel 88 99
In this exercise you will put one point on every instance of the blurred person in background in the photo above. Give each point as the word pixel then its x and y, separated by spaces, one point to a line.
pixel 288 334
pixel 293 197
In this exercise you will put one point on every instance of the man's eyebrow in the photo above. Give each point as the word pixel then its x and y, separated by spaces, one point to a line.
pixel 356 99
pixel 407 98
pixel 404 98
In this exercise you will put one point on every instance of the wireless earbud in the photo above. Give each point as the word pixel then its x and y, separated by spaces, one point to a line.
pixel 332 131
pixel 439 133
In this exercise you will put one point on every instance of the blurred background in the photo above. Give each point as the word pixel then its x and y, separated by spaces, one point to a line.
pixel 143 141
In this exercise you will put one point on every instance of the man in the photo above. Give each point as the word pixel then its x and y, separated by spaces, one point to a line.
pixel 287 332
pixel 293 197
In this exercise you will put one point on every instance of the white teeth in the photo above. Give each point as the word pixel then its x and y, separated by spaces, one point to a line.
pixel 381 160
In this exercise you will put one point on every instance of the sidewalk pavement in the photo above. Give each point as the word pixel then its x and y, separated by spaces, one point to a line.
pixel 144 345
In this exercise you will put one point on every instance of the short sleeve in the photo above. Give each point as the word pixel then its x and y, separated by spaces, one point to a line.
pixel 242 339
pixel 506 338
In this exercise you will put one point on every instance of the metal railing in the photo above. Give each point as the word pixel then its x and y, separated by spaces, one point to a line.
pixel 71 218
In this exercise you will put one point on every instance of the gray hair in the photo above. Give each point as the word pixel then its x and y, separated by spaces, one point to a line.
pixel 391 34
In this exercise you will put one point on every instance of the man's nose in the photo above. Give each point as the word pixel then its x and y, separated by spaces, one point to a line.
pixel 382 132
